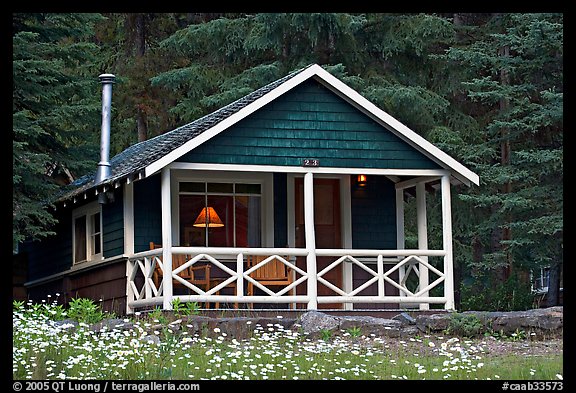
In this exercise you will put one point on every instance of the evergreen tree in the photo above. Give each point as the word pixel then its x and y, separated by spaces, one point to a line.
pixel 515 86
pixel 55 111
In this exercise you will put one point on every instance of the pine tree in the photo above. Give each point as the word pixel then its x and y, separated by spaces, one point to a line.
pixel 55 111
pixel 515 87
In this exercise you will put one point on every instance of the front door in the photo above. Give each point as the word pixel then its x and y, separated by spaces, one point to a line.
pixel 327 225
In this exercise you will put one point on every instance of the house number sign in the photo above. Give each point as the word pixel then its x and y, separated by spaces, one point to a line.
pixel 310 162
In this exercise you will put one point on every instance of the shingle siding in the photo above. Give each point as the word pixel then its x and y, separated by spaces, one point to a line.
pixel 113 226
pixel 374 215
pixel 52 254
pixel 147 213
pixel 310 122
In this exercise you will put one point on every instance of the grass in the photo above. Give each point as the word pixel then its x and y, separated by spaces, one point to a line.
pixel 42 349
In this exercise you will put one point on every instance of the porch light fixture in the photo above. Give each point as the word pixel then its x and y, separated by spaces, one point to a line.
pixel 208 218
pixel 361 180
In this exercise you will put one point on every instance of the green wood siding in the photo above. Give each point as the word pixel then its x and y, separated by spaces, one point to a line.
pixel 53 254
pixel 373 227
pixel 280 209
pixel 310 122
pixel 147 213
pixel 113 226
pixel 374 214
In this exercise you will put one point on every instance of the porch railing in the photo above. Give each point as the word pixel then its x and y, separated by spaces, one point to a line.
pixel 392 267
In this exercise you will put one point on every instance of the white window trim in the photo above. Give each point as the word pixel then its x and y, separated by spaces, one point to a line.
pixel 267 197
pixel 87 210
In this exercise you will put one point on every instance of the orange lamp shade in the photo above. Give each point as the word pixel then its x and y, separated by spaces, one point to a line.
pixel 361 180
pixel 208 218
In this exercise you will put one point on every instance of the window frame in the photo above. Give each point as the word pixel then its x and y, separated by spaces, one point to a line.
pixel 266 197
pixel 88 211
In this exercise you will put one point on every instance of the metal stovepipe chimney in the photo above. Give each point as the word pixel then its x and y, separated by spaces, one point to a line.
pixel 104 171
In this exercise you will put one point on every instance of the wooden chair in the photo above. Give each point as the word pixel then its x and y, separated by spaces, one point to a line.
pixel 198 275
pixel 274 273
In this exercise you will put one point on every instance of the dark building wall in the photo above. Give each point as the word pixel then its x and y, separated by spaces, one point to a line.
pixel 374 214
pixel 373 227
pixel 52 254
pixel 147 213
pixel 113 226
pixel 105 285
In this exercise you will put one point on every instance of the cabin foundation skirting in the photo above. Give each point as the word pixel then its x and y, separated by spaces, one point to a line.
pixel 106 285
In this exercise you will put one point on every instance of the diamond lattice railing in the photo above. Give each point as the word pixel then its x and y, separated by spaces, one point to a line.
pixel 411 264
pixel 293 269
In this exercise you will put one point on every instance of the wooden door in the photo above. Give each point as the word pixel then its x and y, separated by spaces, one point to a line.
pixel 327 227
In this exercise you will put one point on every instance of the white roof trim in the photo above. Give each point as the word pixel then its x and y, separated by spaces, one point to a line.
pixel 460 171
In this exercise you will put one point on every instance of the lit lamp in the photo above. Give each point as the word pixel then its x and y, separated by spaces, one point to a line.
pixel 208 218
pixel 361 180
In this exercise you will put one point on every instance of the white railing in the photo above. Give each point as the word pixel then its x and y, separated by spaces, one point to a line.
pixel 143 291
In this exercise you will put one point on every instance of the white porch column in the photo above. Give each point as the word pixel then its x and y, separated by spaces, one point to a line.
pixel 346 214
pixel 129 238
pixel 422 238
pixel 310 240
pixel 447 243
pixel 166 237
pixel 400 231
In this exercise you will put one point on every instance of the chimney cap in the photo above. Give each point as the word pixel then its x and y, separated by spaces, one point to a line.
pixel 107 78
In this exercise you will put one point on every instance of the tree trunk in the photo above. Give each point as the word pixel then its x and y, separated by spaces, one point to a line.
pixel 553 295
pixel 140 34
pixel 142 125
pixel 139 24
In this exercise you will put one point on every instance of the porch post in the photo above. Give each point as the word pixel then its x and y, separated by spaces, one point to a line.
pixel 129 239
pixel 400 231
pixel 422 238
pixel 166 238
pixel 310 240
pixel 447 243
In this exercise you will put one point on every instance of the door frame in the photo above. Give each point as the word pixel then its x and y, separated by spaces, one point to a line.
pixel 345 220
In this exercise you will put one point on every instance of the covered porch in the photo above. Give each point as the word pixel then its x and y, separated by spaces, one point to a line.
pixel 317 252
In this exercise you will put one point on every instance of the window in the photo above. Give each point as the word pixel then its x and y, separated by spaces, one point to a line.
pixel 220 214
pixel 87 233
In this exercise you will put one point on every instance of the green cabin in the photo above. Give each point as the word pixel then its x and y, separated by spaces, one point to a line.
pixel 291 197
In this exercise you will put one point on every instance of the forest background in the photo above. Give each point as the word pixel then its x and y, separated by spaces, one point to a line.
pixel 487 88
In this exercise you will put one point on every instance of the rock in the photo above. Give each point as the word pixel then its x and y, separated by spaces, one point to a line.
pixel 371 325
pixel 540 320
pixel 314 321
pixel 152 339
pixel 405 319
pixel 196 324
pixel 433 322
pixel 66 324
pixel 111 324
pixel 409 331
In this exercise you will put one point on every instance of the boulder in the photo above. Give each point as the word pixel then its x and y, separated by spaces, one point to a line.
pixel 315 321
pixel 371 325
pixel 540 320
pixel 152 339
pixel 433 322
pixel 405 319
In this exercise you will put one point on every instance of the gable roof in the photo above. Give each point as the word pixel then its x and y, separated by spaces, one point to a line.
pixel 146 158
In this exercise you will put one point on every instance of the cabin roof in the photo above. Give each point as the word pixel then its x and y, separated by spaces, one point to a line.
pixel 146 158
